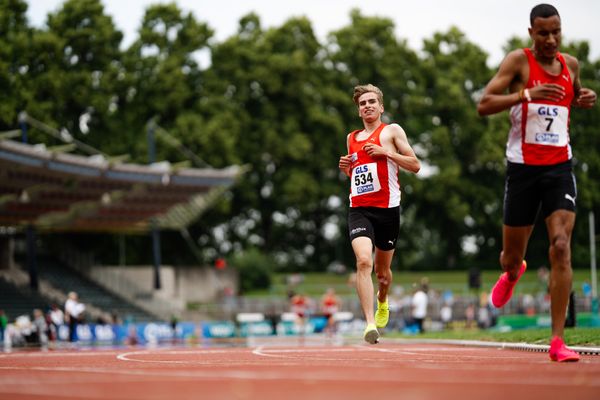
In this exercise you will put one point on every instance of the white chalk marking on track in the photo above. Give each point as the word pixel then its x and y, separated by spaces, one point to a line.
pixel 266 351
pixel 436 356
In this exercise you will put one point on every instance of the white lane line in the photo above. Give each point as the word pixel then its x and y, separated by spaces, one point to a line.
pixel 132 355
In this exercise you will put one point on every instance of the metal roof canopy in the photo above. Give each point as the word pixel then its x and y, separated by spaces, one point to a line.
pixel 56 191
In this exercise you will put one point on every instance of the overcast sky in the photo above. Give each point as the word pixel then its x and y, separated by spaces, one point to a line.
pixel 489 23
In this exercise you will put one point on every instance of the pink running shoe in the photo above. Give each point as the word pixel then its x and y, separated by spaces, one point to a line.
pixel 503 288
pixel 561 353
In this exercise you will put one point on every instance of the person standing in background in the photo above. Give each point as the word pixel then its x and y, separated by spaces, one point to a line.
pixel 419 303
pixel 330 305
pixel 73 313
pixel 3 324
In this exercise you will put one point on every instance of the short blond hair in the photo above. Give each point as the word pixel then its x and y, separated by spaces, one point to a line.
pixel 362 89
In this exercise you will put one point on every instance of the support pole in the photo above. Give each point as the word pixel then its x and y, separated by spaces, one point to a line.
pixel 155 231
pixel 32 258
pixel 30 233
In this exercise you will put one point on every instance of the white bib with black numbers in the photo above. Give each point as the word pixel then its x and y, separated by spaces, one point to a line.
pixel 365 179
pixel 547 125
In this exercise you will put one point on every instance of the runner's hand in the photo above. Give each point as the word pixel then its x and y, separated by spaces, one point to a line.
pixel 345 164
pixel 586 98
pixel 374 150
pixel 547 91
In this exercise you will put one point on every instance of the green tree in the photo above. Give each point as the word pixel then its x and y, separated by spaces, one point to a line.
pixel 270 92
pixel 461 199
pixel 73 68
pixel 162 80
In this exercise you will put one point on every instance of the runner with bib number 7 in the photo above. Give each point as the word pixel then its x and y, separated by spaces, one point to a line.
pixel 539 85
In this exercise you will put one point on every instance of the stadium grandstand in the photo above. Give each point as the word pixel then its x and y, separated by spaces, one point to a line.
pixel 46 190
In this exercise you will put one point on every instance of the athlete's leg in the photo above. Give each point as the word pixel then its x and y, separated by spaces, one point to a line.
pixel 363 250
pixel 383 270
pixel 560 227
pixel 511 258
pixel 514 245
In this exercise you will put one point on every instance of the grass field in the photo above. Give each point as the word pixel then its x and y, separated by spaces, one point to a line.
pixel 315 284
pixel 573 336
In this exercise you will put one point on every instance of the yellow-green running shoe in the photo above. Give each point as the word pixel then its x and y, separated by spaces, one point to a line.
pixel 382 315
pixel 371 335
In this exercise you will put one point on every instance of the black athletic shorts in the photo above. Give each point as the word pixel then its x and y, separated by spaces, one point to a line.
pixel 381 225
pixel 531 188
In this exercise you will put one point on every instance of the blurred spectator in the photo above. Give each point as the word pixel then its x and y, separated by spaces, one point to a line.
pixel 485 316
pixel 586 288
pixel 330 304
pixel 57 318
pixel 419 304
pixel 396 305
pixel 3 324
pixel 132 337
pixel 446 314
pixel 448 297
pixel 528 304
pixel 73 314
pixel 300 305
pixel 40 327
pixel 543 276
pixel 470 315
pixel 23 332
pixel 174 323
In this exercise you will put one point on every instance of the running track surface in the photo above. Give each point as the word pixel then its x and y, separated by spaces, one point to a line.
pixel 289 371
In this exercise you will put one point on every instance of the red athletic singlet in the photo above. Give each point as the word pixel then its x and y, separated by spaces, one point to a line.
pixel 540 129
pixel 374 181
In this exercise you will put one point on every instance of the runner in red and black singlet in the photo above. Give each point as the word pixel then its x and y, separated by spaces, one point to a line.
pixel 374 181
pixel 375 154
pixel 542 85
pixel 540 127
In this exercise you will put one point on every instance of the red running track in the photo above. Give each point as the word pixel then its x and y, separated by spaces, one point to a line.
pixel 295 371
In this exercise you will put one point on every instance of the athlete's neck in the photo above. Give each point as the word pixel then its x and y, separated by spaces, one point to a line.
pixel 370 127
pixel 540 58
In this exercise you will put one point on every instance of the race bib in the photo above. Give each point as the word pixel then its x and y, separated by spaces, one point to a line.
pixel 547 125
pixel 365 179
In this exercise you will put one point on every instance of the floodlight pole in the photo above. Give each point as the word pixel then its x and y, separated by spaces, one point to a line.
pixel 155 231
pixel 30 232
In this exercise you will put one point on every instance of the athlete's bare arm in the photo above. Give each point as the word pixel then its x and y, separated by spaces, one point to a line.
pixel 584 97
pixel 509 76
pixel 395 146
pixel 345 162
pixel 512 75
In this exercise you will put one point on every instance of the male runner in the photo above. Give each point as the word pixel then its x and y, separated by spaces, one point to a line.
pixel 542 85
pixel 375 154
